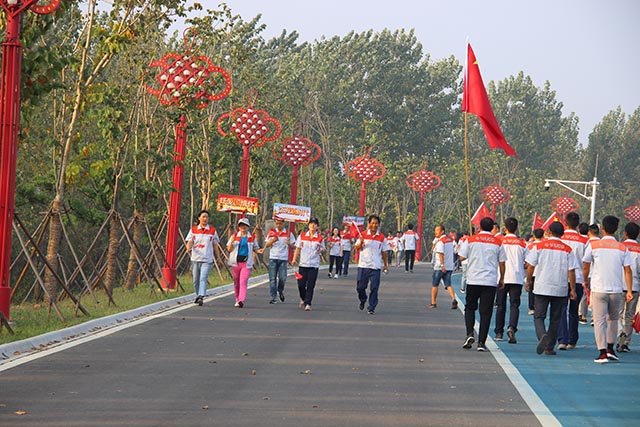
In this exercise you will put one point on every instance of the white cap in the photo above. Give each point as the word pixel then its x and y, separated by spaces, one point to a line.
pixel 244 221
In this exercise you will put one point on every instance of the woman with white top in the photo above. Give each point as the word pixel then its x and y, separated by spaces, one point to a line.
pixel 241 247
pixel 308 248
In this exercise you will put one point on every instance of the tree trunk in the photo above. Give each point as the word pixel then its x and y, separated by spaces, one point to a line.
pixel 132 268
pixel 53 247
pixel 112 254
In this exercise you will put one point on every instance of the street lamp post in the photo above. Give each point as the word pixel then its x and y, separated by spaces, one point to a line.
pixel 566 184
pixel 9 122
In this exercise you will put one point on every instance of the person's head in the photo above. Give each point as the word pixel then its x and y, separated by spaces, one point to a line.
pixel 486 224
pixel 335 231
pixel 410 226
pixel 439 230
pixel 279 223
pixel 398 233
pixel 631 230
pixel 511 224
pixel 374 223
pixel 346 226
pixel 203 217
pixel 610 224
pixel 243 224
pixel 572 220
pixel 583 228
pixel 495 229
pixel 538 233
pixel 314 224
pixel 557 229
pixel 593 231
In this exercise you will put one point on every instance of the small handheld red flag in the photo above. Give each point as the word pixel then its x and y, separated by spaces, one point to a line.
pixel 537 221
pixel 481 212
pixel 298 275
pixel 554 217
pixel 354 230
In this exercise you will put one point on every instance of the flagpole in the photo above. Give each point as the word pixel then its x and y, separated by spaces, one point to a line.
pixel 466 170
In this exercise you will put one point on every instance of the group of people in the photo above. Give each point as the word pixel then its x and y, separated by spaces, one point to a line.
pixel 557 270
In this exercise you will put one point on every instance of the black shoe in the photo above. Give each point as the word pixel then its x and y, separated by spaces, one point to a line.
pixel 281 294
pixel 273 301
pixel 468 342
pixel 482 347
pixel 370 311
pixel 623 348
pixel 611 355
pixel 361 305
pixel 330 275
pixel 511 334
pixel 499 336
pixel 542 344
pixel 454 305
pixel 199 300
pixel 240 304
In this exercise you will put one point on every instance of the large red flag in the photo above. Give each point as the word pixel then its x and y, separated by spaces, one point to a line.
pixel 481 212
pixel 554 217
pixel 476 101
pixel 537 221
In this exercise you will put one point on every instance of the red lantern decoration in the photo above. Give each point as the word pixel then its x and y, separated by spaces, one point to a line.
pixel 365 169
pixel 495 194
pixel 423 181
pixel 632 213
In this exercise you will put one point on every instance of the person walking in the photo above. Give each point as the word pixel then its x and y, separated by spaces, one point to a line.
pixel 631 231
pixel 201 243
pixel 372 246
pixel 555 266
pixel 486 258
pixel 241 247
pixel 309 245
pixel 279 240
pixel 399 248
pixel 335 252
pixel 410 241
pixel 347 240
pixel 609 263
pixel 515 249
pixel 442 267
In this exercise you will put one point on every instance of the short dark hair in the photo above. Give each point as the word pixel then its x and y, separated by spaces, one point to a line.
pixel 372 217
pixel 441 227
pixel 314 220
pixel 486 224
pixel 410 226
pixel 610 224
pixel 632 229
pixel 203 211
pixel 511 224
pixel 538 233
pixel 572 219
pixel 583 228
pixel 594 228
pixel 556 228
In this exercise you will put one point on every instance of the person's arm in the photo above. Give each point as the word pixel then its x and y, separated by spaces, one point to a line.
pixel 530 269
pixel 441 256
pixel 572 285
pixel 501 281
pixel 628 276
pixel 586 268
pixel 295 256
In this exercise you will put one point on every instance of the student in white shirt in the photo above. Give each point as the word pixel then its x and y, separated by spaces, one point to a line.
pixel 631 231
pixel 201 243
pixel 410 241
pixel 279 240
pixel 308 247
pixel 372 245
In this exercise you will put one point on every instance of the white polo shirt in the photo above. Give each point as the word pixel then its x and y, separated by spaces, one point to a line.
pixel 371 250
pixel 310 248
pixel 335 247
pixel 346 240
pixel 280 250
pixel 484 253
pixel 608 257
pixel 515 249
pixel 552 259
pixel 634 252
pixel 203 240
pixel 444 245
pixel 410 238
pixel 577 243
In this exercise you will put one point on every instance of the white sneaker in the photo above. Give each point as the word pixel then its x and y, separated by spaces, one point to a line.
pixel 530 312
pixel 335 276
pixel 307 308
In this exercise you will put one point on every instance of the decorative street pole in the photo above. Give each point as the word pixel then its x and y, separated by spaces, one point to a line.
pixel 365 169
pixel 425 182
pixel 563 205
pixel 9 122
pixel 296 152
pixel 184 79
pixel 632 213
pixel 250 127
pixel 496 195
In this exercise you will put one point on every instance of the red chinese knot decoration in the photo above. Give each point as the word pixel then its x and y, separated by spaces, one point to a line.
pixel 495 194
pixel 297 151
pixel 423 181
pixel 564 205
pixel 189 78
pixel 250 126
pixel 365 169
pixel 632 213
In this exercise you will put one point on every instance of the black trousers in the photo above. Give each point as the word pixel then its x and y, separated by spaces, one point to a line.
pixel 307 283
pixel 479 298
pixel 409 258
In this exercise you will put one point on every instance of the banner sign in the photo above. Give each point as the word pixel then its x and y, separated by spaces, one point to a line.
pixel 291 213
pixel 359 220
pixel 237 204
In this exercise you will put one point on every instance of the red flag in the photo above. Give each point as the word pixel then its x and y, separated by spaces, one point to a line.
pixel 476 101
pixel 554 217
pixel 481 212
pixel 354 230
pixel 537 221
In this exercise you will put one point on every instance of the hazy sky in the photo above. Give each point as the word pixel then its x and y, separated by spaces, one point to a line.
pixel 589 50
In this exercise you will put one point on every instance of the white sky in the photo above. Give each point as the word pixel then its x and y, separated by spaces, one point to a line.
pixel 589 50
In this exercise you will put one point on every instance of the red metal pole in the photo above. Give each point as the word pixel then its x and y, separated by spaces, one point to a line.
pixel 293 200
pixel 363 192
pixel 175 199
pixel 9 121
pixel 418 256
pixel 244 173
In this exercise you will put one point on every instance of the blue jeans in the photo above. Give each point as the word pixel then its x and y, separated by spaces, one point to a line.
pixel 368 277
pixel 277 270
pixel 346 255
pixel 439 275
pixel 515 293
pixel 200 273
pixel 568 330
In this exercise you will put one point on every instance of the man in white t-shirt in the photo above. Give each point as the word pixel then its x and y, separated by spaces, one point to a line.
pixel 279 240
pixel 442 266
pixel 631 231
pixel 410 241
pixel 372 245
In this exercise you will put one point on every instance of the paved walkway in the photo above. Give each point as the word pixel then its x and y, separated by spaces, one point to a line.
pixel 276 365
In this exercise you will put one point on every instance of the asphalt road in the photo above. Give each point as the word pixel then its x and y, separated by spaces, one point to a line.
pixel 276 365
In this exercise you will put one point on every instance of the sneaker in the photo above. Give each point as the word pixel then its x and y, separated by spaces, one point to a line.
pixel 273 301
pixel 623 348
pixel 511 334
pixel 330 275
pixel 281 294
pixel 454 305
pixel 499 336
pixel 199 300
pixel 562 346
pixel 361 305
pixel 542 344
pixel 335 276
pixel 237 304
pixel 611 355
pixel 591 323
pixel 468 342
pixel 571 346
pixel 462 290
pixel 550 352
pixel 602 358
pixel 370 311
pixel 240 304
pixel 582 320
pixel 301 305
pixel 431 306
pixel 482 347
pixel 530 312
pixel 307 307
